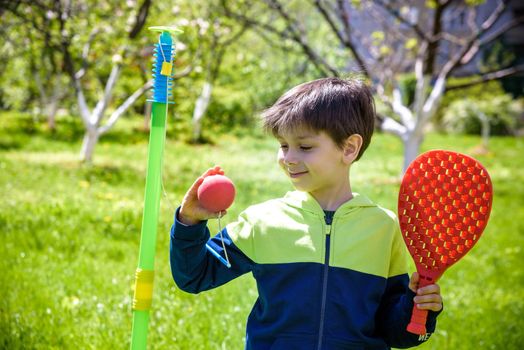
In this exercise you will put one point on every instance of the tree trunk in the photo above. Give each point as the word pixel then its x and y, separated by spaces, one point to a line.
pixel 147 116
pixel 412 142
pixel 200 110
pixel 88 145
pixel 486 129
pixel 51 107
pixel 51 116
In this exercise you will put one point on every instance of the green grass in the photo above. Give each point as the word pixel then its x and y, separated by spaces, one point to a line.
pixel 70 235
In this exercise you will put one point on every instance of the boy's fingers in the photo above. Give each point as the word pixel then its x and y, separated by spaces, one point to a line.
pixel 429 298
pixel 413 282
pixel 194 187
pixel 430 306
pixel 216 170
pixel 213 171
pixel 431 289
pixel 190 203
pixel 208 172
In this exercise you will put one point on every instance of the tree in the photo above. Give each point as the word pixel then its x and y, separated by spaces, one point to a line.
pixel 31 53
pixel 92 43
pixel 214 34
pixel 225 87
pixel 92 119
pixel 383 41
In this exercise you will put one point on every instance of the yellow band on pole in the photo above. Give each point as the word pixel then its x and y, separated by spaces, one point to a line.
pixel 143 289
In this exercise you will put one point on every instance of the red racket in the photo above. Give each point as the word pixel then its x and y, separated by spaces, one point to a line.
pixel 443 206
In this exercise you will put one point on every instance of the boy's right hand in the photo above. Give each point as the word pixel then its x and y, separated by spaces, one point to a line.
pixel 191 212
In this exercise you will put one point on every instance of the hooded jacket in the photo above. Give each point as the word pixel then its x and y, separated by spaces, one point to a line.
pixel 325 280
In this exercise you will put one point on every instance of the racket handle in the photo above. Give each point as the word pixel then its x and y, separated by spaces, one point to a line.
pixel 417 325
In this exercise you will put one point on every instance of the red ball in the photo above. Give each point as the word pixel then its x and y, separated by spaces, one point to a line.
pixel 216 193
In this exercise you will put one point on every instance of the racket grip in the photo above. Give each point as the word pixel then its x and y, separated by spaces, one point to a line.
pixel 417 325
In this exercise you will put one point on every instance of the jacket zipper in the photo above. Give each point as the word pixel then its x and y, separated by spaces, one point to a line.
pixel 329 221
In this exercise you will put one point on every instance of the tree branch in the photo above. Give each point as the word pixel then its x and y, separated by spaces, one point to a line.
pixel 330 21
pixel 317 60
pixel 183 73
pixel 393 11
pixel 474 50
pixel 69 68
pixel 503 29
pixel 391 126
pixel 398 107
pixel 422 79
pixel 102 104
pixel 140 19
pixel 344 15
pixel 431 56
pixel 322 66
pixel 345 36
pixel 124 106
pixel 253 23
pixel 489 77
pixel 85 54
pixel 214 71
pixel 457 60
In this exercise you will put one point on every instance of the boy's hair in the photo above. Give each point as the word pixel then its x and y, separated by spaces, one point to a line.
pixel 336 106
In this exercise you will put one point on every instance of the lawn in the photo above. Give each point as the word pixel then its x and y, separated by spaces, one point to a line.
pixel 70 235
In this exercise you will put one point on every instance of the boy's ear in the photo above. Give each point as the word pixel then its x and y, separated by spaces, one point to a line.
pixel 352 147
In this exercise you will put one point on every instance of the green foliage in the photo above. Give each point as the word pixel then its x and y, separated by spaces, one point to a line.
pixel 502 112
pixel 16 91
pixel 250 75
pixel 70 237
pixel 431 4
pixel 408 85
pixel 35 48
pixel 479 92
pixel 475 2
pixel 496 56
pixel 227 110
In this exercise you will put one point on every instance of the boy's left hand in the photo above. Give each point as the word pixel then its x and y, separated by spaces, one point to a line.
pixel 428 297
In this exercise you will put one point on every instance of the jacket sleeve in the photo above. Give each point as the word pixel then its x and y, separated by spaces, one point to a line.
pixel 394 313
pixel 193 267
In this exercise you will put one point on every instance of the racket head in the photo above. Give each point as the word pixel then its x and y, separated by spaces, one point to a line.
pixel 444 204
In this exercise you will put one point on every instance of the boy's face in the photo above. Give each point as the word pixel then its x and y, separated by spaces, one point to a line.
pixel 313 162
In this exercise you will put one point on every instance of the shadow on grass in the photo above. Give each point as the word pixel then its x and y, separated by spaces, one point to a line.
pixel 17 128
pixel 8 143
pixel 111 174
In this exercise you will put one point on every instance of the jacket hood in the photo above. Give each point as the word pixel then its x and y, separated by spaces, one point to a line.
pixel 305 201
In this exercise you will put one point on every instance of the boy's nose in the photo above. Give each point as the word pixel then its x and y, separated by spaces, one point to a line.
pixel 290 159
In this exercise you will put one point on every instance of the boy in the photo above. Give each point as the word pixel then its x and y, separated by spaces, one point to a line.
pixel 330 265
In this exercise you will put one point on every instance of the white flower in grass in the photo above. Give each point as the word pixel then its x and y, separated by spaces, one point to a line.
pixel 71 302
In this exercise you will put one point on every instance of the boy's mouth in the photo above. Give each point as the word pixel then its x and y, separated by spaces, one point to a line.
pixel 294 175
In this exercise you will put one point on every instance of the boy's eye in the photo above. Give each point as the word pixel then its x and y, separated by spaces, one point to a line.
pixel 302 148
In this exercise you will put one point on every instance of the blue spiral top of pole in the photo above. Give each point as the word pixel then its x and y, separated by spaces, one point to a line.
pixel 163 84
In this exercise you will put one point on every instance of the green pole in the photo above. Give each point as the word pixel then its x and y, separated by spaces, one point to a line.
pixel 146 260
